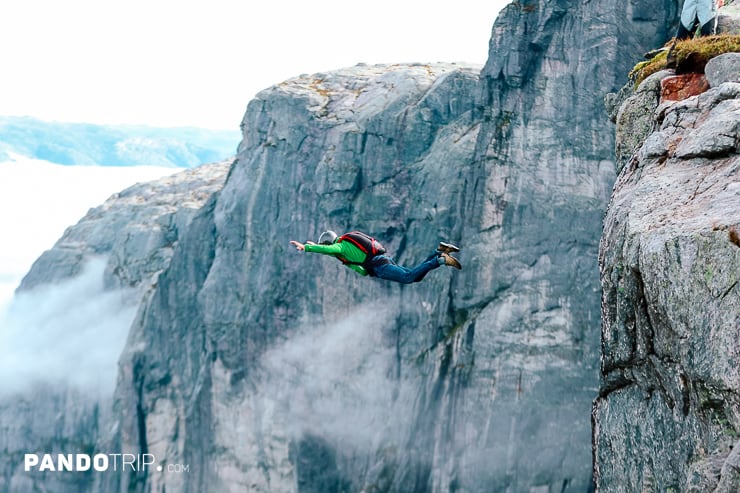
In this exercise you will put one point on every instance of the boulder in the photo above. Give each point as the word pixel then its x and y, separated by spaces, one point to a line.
pixel 728 19
pixel 635 118
pixel 723 68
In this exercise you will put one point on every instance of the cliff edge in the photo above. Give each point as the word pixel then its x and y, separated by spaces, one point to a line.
pixel 668 413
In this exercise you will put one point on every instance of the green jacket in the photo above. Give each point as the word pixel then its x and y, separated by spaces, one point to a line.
pixel 343 250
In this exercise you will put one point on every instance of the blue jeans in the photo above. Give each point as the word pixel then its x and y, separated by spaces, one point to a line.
pixel 385 268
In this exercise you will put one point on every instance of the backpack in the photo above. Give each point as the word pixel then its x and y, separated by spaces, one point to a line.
pixel 369 246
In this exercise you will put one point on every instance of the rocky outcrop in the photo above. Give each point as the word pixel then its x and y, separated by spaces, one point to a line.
pixel 632 117
pixel 147 220
pixel 723 68
pixel 667 414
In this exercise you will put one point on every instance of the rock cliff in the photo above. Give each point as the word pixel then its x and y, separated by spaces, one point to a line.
pixel 70 320
pixel 668 412
pixel 263 369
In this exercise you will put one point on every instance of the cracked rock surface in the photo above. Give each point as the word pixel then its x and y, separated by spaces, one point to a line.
pixel 668 414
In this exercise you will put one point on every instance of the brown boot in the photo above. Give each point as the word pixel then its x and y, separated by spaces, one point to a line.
pixel 451 261
pixel 447 248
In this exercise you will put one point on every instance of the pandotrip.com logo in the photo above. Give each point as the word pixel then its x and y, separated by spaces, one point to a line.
pixel 99 463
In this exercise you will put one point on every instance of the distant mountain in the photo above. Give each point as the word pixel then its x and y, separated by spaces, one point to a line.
pixel 113 145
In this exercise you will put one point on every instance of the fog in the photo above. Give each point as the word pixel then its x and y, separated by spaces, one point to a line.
pixel 74 330
pixel 39 200
pixel 337 380
pixel 71 332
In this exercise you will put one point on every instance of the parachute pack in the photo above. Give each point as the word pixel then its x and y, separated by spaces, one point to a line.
pixel 369 245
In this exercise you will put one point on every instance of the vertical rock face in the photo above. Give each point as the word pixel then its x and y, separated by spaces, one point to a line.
pixel 543 171
pixel 668 413
pixel 383 149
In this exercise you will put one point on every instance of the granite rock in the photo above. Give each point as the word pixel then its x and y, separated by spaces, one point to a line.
pixel 634 118
pixel 728 19
pixel 132 235
pixel 667 414
pixel 678 87
pixel 723 68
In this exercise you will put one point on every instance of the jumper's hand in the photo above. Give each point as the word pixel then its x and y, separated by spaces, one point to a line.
pixel 298 246
pixel 308 242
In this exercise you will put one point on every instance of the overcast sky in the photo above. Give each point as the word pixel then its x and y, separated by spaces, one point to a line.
pixel 198 63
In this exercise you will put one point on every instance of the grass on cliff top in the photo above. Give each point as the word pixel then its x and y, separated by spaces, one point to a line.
pixel 687 56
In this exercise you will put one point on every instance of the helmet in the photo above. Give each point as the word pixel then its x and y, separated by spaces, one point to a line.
pixel 327 237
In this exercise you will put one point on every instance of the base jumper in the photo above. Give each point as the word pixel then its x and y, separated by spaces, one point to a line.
pixel 366 256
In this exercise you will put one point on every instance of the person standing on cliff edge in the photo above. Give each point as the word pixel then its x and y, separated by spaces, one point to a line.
pixel 702 11
pixel 366 256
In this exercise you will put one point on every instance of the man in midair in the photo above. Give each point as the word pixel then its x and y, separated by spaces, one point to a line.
pixel 366 256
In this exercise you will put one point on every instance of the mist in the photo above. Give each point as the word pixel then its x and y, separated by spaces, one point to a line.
pixel 40 200
pixel 60 333
pixel 70 333
pixel 337 380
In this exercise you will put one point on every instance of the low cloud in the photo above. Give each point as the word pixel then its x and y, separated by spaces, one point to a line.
pixel 37 208
pixel 338 381
pixel 68 333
